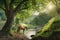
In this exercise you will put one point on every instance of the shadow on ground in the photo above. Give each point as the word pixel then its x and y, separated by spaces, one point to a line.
pixel 15 36
pixel 54 36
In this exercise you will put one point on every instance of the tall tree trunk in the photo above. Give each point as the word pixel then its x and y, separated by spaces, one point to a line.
pixel 6 28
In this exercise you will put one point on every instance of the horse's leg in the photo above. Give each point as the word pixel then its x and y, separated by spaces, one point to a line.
pixel 18 30
pixel 23 31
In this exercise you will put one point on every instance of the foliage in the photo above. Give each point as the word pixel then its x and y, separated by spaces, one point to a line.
pixel 22 16
pixel 22 7
pixel 52 25
pixel 11 8
pixel 41 19
pixel 2 15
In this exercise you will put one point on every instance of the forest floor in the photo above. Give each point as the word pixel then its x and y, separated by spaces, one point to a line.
pixel 15 36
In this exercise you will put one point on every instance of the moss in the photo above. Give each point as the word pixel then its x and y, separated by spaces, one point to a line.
pixel 52 25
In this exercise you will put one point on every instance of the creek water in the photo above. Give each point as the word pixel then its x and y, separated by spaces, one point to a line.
pixel 29 33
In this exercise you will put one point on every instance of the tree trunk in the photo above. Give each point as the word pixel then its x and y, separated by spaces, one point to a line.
pixel 6 28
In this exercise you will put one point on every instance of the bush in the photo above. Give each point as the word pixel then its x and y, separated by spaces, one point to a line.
pixel 53 26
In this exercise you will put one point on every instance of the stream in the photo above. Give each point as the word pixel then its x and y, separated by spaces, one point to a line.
pixel 29 33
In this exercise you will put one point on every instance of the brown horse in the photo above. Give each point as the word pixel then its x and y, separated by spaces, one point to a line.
pixel 21 28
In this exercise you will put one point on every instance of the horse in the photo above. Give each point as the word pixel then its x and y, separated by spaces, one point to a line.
pixel 21 28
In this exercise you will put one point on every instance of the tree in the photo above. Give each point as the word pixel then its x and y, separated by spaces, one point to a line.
pixel 11 8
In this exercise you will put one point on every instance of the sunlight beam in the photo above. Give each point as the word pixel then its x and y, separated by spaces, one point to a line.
pixel 50 6
pixel 36 13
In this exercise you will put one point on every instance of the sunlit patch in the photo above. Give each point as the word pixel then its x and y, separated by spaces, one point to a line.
pixel 22 24
pixel 44 10
pixel 50 6
pixel 35 13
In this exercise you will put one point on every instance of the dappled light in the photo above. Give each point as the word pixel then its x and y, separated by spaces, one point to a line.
pixel 36 13
pixel 29 19
pixel 50 6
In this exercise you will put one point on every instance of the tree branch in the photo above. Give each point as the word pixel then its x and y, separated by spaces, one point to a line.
pixel 5 4
pixel 24 8
pixel 19 6
pixel 11 4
